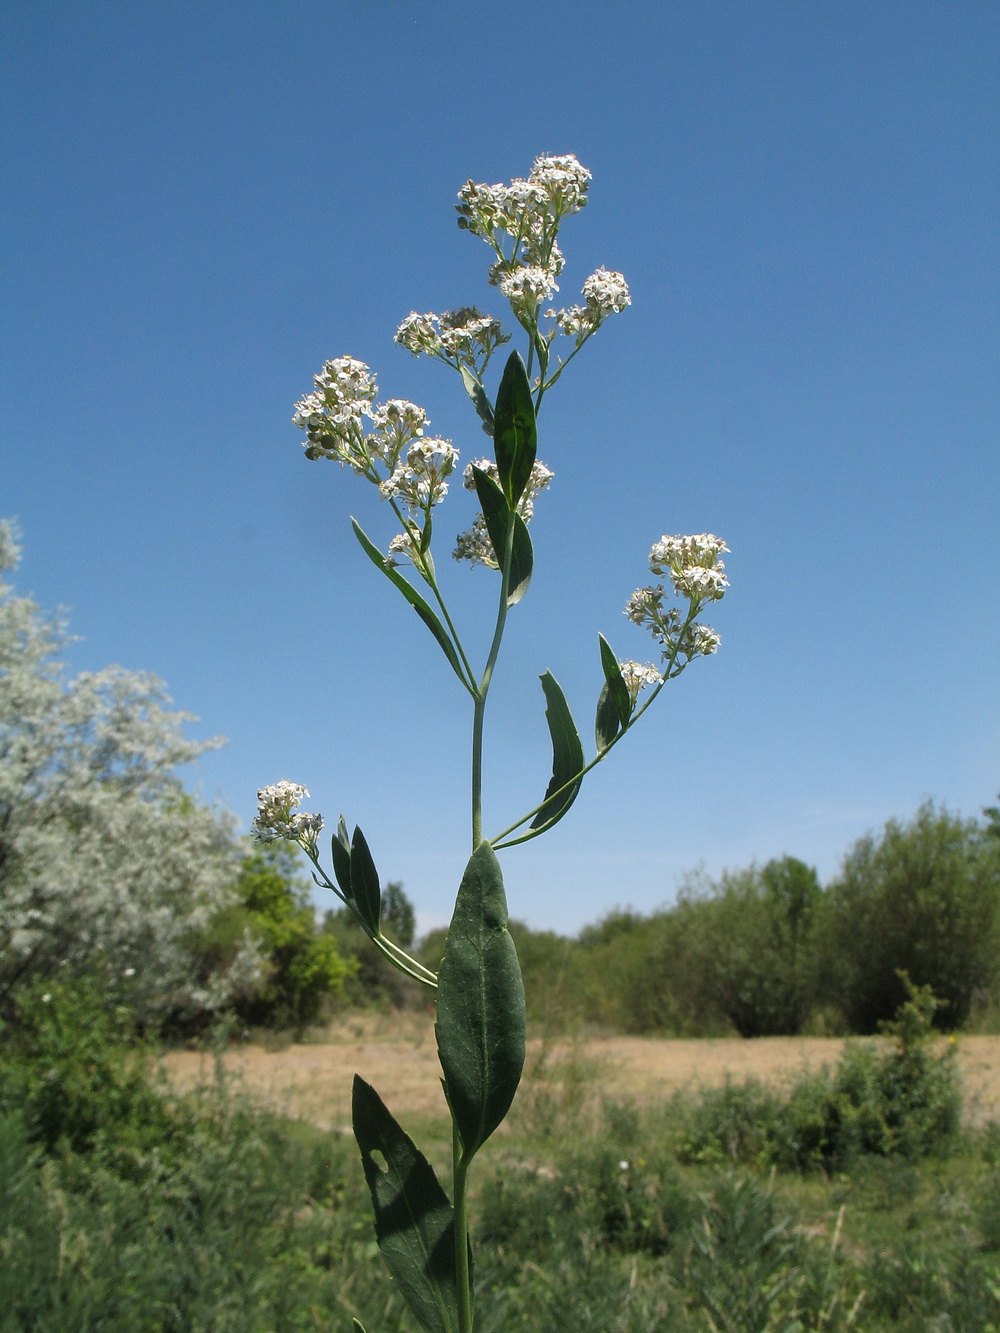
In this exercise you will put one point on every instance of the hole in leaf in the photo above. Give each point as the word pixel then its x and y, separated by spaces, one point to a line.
pixel 378 1157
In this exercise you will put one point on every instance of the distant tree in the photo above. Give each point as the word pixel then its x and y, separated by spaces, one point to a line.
pixel 106 865
pixel 399 919
pixel 992 813
pixel 729 954
pixel 747 942
pixel 922 898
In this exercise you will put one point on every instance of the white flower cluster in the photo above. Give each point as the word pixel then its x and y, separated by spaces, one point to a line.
pixel 419 481
pixel 693 565
pixel 475 545
pixel 460 337
pixel 385 443
pixel 605 293
pixel 637 675
pixel 529 212
pixel 697 574
pixel 526 287
pixel 275 820
pixel 344 390
pixel 523 209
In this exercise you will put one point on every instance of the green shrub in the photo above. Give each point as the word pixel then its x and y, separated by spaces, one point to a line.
pixel 303 966
pixel 905 1100
pixel 75 1072
pixel 923 898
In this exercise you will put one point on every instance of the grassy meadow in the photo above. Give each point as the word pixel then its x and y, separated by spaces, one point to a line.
pixel 634 1188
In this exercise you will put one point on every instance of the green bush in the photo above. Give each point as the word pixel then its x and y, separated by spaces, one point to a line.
pixel 304 966
pixel 905 1100
pixel 75 1072
pixel 924 899
pixel 749 944
pixel 728 956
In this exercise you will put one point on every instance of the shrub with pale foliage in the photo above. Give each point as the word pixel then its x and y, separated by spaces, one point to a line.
pixel 106 864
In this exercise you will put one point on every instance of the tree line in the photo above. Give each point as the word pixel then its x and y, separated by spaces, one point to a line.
pixel 109 870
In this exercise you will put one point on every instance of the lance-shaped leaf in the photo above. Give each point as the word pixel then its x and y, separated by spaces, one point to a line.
pixel 480 1005
pixel 357 1326
pixel 366 893
pixel 478 395
pixel 614 707
pixel 606 721
pixel 340 854
pixel 514 434
pixel 567 756
pixel 414 1221
pixel 498 519
pixel 412 596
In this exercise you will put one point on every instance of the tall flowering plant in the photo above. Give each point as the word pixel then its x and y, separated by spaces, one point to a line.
pixel 423 1232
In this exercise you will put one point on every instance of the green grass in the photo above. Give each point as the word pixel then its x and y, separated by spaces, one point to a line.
pixel 204 1215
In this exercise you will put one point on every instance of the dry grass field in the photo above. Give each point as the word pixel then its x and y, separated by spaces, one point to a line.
pixel 397 1055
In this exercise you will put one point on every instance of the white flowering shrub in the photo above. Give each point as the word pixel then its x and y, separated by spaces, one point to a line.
pixel 105 863
pixel 479 997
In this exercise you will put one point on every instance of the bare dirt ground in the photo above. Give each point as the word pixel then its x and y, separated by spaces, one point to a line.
pixel 397 1055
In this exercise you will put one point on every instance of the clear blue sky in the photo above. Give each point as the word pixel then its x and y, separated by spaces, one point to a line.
pixel 206 201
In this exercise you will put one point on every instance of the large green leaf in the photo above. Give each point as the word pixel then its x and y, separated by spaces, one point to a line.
pixel 481 403
pixel 412 596
pixel 366 893
pixel 567 755
pixel 514 435
pixel 414 1221
pixel 480 1005
pixel 614 707
pixel 498 518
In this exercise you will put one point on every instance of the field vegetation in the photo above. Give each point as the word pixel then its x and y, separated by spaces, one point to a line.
pixel 852 1196
pixel 858 1191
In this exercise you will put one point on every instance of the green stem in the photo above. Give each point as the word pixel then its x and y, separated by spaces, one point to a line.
pixel 396 956
pixel 426 975
pixel 542 388
pixel 462 1275
pixel 484 686
pixel 470 683
pixel 669 674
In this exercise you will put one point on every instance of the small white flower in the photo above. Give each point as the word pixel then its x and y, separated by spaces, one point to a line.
pixel 526 286
pixel 46 998
pixel 699 640
pixel 578 321
pixel 401 544
pixel 564 180
pixel 129 972
pixel 645 605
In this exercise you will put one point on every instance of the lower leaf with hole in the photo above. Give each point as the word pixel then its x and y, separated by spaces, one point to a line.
pixel 414 1220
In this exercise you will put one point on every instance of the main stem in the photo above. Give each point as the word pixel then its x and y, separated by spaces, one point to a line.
pixel 462 1274
pixel 460 1166
pixel 479 711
